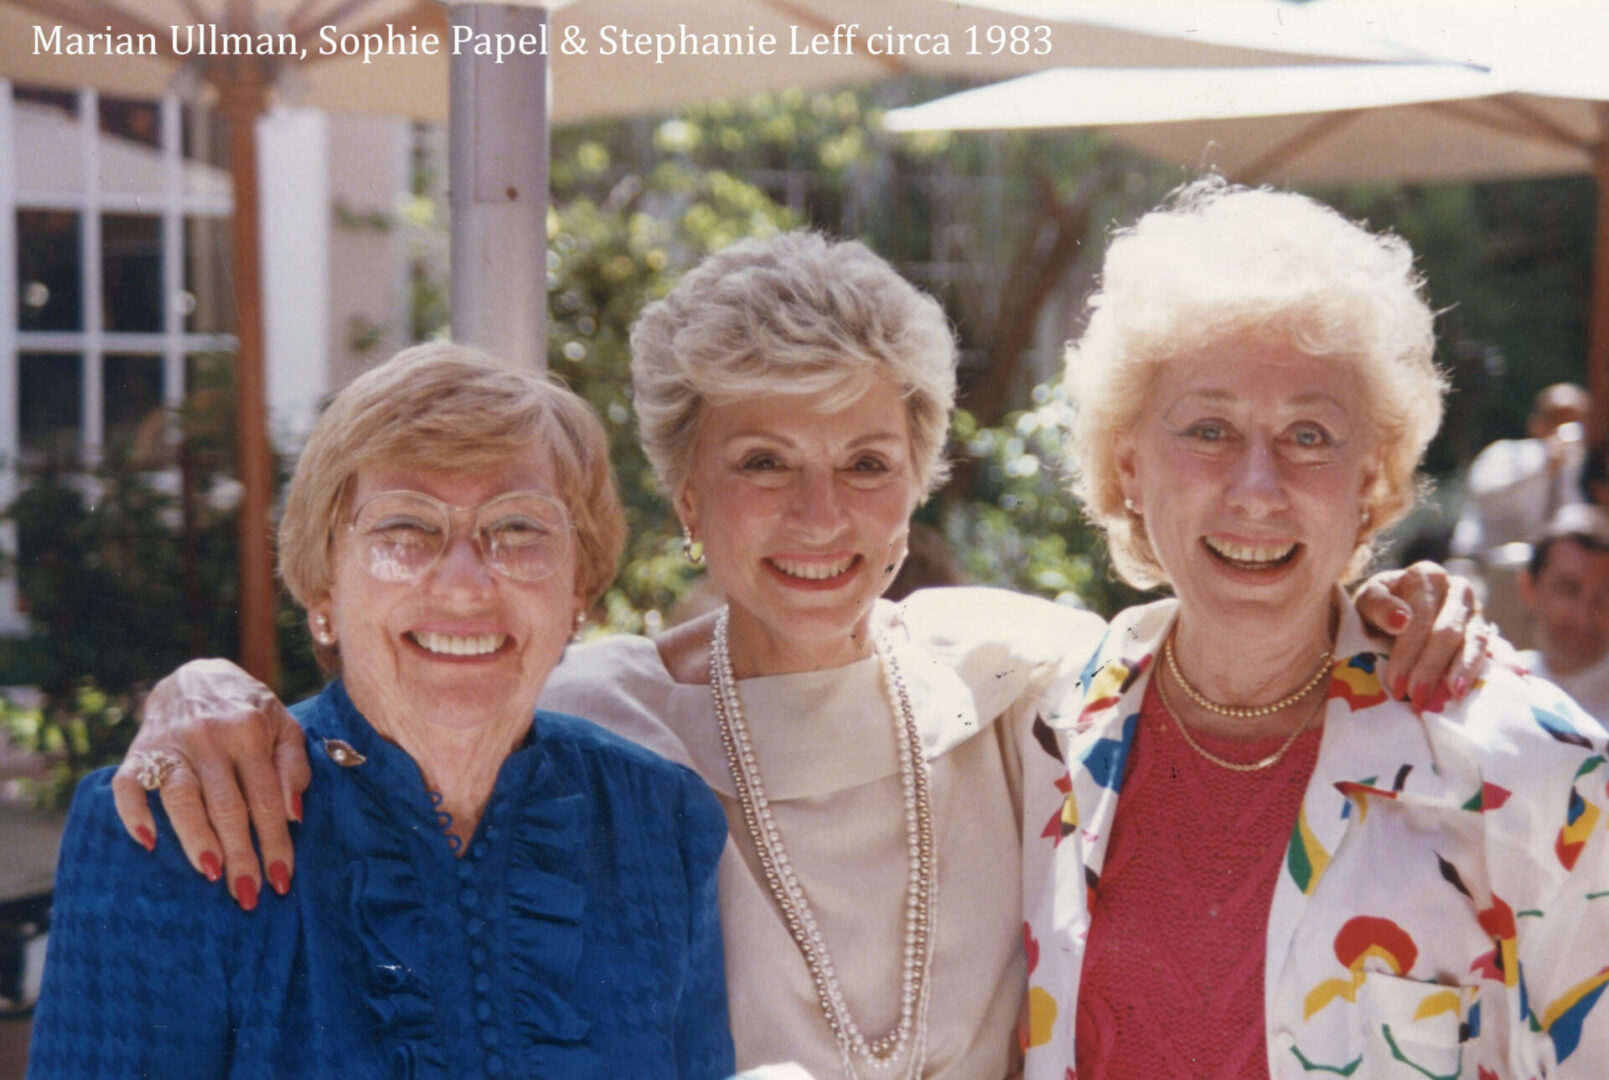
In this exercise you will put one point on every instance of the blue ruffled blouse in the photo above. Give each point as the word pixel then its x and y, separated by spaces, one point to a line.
pixel 576 938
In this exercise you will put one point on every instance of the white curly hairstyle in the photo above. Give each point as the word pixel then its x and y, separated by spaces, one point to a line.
pixel 1216 260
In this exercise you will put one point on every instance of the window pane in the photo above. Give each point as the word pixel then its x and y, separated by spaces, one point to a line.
pixel 202 136
pixel 129 118
pixel 131 269
pixel 49 402
pixel 48 296
pixel 46 97
pixel 49 142
pixel 208 301
pixel 132 409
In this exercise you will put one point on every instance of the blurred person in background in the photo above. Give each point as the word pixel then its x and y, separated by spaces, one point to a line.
pixel 1566 591
pixel 1514 488
pixel 1516 485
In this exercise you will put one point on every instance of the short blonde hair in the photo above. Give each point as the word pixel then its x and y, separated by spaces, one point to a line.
pixel 451 408
pixel 796 314
pixel 1217 260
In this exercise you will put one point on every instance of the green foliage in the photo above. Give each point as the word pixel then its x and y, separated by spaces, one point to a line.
pixel 125 574
pixel 78 733
pixel 1509 265
pixel 1020 527
pixel 96 579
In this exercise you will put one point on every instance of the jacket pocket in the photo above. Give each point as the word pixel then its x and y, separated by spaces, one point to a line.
pixel 1416 1029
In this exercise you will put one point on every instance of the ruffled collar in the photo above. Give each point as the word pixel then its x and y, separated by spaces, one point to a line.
pixel 401 873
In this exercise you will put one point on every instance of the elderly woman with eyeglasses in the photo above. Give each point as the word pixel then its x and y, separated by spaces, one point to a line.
pixel 486 889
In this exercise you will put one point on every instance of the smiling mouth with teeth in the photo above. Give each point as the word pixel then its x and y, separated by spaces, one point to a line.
pixel 814 571
pixel 458 644
pixel 1252 556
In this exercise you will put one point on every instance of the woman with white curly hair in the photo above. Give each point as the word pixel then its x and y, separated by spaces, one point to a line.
pixel 1262 858
pixel 794 396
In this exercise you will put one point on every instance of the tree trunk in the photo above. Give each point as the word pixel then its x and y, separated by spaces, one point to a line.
pixel 1047 250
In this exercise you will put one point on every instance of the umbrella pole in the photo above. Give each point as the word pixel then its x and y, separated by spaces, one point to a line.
pixel 1598 330
pixel 242 99
pixel 497 184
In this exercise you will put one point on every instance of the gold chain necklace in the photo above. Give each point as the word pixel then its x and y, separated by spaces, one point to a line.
pixel 1242 712
pixel 1236 766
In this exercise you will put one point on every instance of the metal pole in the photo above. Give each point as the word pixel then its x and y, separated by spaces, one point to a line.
pixel 498 185
pixel 243 98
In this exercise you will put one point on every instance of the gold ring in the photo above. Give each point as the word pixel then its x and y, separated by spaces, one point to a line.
pixel 154 767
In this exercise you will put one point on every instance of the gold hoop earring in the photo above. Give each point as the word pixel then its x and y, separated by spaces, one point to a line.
pixel 692 550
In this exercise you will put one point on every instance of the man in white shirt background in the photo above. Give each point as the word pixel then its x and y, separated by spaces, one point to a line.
pixel 1514 488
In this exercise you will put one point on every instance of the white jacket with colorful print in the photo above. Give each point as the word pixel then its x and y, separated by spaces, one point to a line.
pixel 1443 908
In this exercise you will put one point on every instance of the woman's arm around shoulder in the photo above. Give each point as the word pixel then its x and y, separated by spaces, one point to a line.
pixel 968 618
pixel 135 979
pixel 1004 645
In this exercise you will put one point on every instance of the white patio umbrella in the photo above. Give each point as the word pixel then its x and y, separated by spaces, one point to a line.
pixel 1525 94
pixel 601 83
pixel 500 111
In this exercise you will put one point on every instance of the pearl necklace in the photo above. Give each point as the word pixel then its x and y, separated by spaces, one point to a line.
pixel 1243 712
pixel 921 891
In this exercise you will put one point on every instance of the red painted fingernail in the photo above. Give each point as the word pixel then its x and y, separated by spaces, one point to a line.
pixel 1421 693
pixel 146 837
pixel 1399 689
pixel 245 893
pixel 1460 686
pixel 279 877
pixel 210 866
pixel 296 805
pixel 1398 620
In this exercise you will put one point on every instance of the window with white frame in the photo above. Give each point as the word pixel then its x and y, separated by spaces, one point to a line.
pixel 120 217
pixel 114 228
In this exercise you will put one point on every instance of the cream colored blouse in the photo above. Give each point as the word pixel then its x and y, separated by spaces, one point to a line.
pixel 826 747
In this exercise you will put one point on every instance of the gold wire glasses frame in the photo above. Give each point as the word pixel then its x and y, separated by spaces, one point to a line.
pixel 402 535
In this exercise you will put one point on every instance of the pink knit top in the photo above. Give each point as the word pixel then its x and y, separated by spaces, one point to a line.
pixel 1173 972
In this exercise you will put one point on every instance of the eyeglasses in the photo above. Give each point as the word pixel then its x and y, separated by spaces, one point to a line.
pixel 401 535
